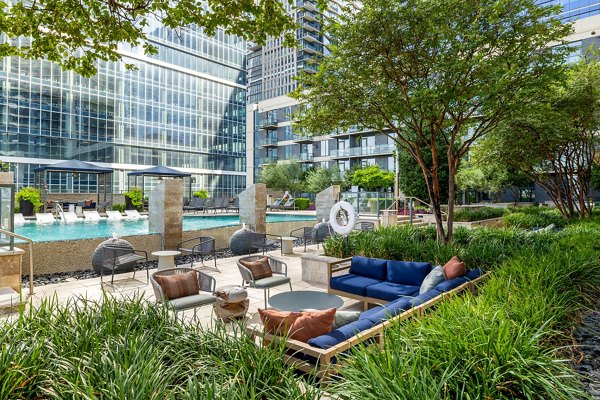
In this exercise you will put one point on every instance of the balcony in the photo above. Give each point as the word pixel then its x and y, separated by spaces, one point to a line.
pixel 309 36
pixel 269 123
pixel 378 150
pixel 309 5
pixel 253 46
pixel 311 47
pixel 269 160
pixel 308 68
pixel 303 139
pixel 308 15
pixel 306 157
pixel 269 141
pixel 311 26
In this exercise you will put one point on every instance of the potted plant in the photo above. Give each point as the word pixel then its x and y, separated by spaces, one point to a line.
pixel 203 194
pixel 29 199
pixel 134 199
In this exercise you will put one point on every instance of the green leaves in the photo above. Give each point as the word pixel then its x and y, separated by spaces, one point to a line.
pixel 76 34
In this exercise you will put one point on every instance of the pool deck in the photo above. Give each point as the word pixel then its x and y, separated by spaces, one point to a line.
pixel 125 285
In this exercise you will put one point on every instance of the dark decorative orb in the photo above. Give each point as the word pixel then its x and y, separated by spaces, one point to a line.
pixel 240 241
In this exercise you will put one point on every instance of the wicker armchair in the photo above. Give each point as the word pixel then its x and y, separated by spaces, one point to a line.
pixel 263 241
pixel 278 268
pixel 202 246
pixel 206 283
pixel 317 235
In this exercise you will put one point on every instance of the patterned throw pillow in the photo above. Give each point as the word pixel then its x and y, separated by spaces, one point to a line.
pixel 175 286
pixel 454 268
pixel 260 268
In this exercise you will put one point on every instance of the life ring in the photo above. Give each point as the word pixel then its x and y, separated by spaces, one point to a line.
pixel 342 229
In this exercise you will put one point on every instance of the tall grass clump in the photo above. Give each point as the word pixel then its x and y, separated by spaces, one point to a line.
pixel 533 217
pixel 134 350
pixel 504 343
pixel 482 247
pixel 478 214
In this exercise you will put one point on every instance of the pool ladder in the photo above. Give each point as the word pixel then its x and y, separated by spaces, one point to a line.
pixel 59 212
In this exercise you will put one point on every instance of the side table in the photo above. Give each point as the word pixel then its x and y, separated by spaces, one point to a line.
pixel 232 302
pixel 287 244
pixel 166 258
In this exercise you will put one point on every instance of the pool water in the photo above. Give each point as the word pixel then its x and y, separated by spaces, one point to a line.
pixel 104 228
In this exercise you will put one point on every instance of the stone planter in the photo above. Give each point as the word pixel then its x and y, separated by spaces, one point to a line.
pixel 315 267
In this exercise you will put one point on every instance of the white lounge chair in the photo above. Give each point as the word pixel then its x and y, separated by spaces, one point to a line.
pixel 19 219
pixel 70 217
pixel 114 215
pixel 44 218
pixel 134 214
pixel 92 215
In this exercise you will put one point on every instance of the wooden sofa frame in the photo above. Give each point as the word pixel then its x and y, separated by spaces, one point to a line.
pixel 323 366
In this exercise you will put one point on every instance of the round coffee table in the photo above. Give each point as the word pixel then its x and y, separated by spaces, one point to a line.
pixel 302 299
pixel 287 244
pixel 166 258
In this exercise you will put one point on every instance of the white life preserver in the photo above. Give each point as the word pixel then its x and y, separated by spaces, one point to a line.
pixel 349 226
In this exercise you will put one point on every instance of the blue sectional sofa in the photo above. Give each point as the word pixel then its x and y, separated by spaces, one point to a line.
pixel 392 285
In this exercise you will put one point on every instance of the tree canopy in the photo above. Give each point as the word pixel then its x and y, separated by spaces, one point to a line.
pixel 283 176
pixel 554 139
pixel 319 179
pixel 76 33
pixel 432 74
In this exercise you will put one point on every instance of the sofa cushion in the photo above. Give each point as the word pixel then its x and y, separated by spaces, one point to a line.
pixel 423 297
pixel 277 322
pixel 370 267
pixel 391 291
pixel 339 335
pixel 407 272
pixel 454 268
pixel 387 311
pixel 474 274
pixel 434 278
pixel 351 283
pixel 451 284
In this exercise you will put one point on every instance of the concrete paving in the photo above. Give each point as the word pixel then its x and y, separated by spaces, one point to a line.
pixel 126 285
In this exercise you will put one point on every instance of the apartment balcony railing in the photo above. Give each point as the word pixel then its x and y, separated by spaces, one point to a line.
pixel 269 160
pixel 306 157
pixel 269 123
pixel 308 35
pixel 309 5
pixel 269 141
pixel 311 26
pixel 308 15
pixel 303 139
pixel 363 151
pixel 311 47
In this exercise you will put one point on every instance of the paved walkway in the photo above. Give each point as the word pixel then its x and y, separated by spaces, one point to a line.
pixel 125 285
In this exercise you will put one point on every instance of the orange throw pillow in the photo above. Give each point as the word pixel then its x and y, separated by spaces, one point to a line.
pixel 301 326
pixel 454 268
pixel 260 268
pixel 175 286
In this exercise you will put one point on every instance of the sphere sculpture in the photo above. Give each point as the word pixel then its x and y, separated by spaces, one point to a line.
pixel 103 257
pixel 241 240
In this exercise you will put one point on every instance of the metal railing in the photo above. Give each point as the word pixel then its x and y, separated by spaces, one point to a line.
pixel 30 243
pixel 363 151
pixel 408 203
pixel 368 203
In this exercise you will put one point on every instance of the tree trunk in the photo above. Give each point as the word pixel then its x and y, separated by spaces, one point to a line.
pixel 451 188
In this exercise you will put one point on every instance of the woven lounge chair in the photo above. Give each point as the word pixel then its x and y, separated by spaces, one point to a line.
pixel 278 268
pixel 316 234
pixel 116 257
pixel 202 246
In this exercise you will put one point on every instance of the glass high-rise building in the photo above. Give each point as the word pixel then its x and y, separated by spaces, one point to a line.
pixel 184 108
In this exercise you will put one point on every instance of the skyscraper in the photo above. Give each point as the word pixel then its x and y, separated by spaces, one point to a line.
pixel 184 107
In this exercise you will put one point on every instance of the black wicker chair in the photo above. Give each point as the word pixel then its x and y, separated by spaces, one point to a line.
pixel 202 246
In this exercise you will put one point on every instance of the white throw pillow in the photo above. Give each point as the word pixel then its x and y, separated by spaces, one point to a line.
pixel 434 278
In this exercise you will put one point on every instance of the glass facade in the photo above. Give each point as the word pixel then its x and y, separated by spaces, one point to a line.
pixel 574 9
pixel 184 107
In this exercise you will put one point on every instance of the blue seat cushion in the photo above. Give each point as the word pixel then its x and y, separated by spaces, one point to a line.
pixel 351 283
pixel 451 284
pixel 339 335
pixel 370 267
pixel 390 310
pixel 423 297
pixel 474 274
pixel 391 291
pixel 407 272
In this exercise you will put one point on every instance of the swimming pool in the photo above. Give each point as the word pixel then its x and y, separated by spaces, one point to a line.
pixel 104 228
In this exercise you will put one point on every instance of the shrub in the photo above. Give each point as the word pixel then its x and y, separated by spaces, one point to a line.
pixel 478 214
pixel 30 194
pixel 118 207
pixel 132 349
pixel 533 217
pixel 203 194
pixel 136 197
pixel 500 344
pixel 302 203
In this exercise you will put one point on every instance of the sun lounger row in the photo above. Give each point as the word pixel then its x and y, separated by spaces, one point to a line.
pixel 197 204
pixel 283 204
pixel 72 217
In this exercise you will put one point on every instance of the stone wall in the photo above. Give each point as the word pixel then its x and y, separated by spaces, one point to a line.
pixel 325 200
pixel 166 211
pixel 76 255
pixel 253 207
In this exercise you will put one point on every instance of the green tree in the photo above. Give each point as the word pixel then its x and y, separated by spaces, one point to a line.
pixel 410 177
pixel 77 33
pixel 372 178
pixel 283 176
pixel 319 179
pixel 554 138
pixel 432 74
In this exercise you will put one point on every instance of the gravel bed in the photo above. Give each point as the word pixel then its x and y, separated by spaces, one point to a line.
pixel 60 277
pixel 587 336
